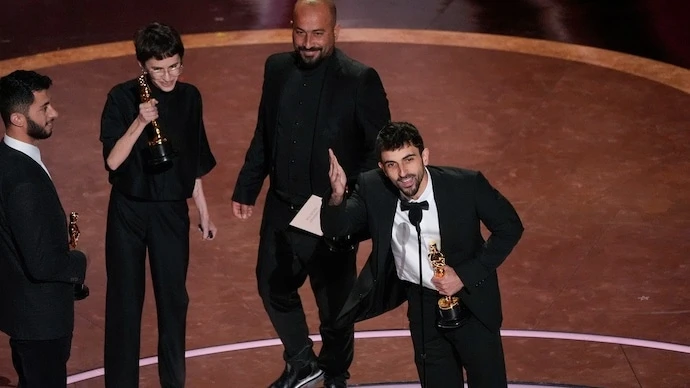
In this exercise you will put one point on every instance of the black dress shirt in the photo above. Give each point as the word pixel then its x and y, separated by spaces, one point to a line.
pixel 299 106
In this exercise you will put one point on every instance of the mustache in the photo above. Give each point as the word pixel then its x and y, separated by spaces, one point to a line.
pixel 302 48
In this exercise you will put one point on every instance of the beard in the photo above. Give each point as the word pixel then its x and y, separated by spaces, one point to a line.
pixel 36 131
pixel 412 190
pixel 309 63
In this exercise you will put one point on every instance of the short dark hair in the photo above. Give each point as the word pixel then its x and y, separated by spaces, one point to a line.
pixel 17 92
pixel 157 40
pixel 396 135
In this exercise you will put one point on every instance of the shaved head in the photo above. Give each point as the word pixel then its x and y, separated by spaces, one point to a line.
pixel 314 31
pixel 329 4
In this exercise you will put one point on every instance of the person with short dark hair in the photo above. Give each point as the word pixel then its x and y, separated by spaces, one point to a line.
pixel 427 248
pixel 156 152
pixel 38 271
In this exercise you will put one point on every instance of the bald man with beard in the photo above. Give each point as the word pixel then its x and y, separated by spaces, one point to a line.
pixel 313 98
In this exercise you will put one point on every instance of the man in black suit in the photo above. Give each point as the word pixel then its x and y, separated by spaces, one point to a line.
pixel 314 98
pixel 452 203
pixel 38 271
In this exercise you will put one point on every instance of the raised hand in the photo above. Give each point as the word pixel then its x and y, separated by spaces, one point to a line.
pixel 338 179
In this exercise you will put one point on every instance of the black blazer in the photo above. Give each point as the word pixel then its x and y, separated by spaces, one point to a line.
pixel 464 198
pixel 37 269
pixel 353 108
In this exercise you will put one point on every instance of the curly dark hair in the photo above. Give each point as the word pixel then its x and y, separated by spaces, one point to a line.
pixel 396 135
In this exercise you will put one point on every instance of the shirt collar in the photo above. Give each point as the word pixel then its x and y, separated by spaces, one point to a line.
pixel 29 149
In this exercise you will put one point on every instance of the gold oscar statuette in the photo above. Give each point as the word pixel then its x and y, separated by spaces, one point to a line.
pixel 449 308
pixel 81 291
pixel 160 150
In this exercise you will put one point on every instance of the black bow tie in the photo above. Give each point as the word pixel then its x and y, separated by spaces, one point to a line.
pixel 407 205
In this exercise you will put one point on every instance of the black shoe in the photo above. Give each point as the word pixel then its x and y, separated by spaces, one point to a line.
pixel 296 378
pixel 335 382
pixel 81 291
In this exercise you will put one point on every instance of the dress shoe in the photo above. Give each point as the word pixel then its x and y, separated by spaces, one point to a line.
pixel 337 382
pixel 297 377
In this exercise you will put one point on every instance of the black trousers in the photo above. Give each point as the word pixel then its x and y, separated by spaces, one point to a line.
pixel 132 228
pixel 41 364
pixel 447 351
pixel 286 257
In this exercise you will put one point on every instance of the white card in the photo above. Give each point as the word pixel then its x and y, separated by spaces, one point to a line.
pixel 309 216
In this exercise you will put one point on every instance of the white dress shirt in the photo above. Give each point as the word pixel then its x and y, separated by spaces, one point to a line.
pixel 29 150
pixel 405 245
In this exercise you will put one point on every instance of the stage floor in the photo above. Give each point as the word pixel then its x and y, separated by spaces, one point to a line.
pixel 591 146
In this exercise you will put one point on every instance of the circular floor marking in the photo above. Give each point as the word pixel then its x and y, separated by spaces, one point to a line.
pixel 406 333
pixel 510 385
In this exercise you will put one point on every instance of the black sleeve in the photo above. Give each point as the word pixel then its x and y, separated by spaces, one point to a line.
pixel 41 236
pixel 348 218
pixel 501 219
pixel 206 159
pixel 256 166
pixel 117 116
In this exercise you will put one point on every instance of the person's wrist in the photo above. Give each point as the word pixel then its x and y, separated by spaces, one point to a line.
pixel 336 199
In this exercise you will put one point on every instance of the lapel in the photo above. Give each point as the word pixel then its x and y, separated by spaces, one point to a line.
pixel 447 217
pixel 388 203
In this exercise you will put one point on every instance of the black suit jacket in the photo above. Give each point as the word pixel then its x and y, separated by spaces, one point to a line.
pixel 37 269
pixel 464 198
pixel 352 110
